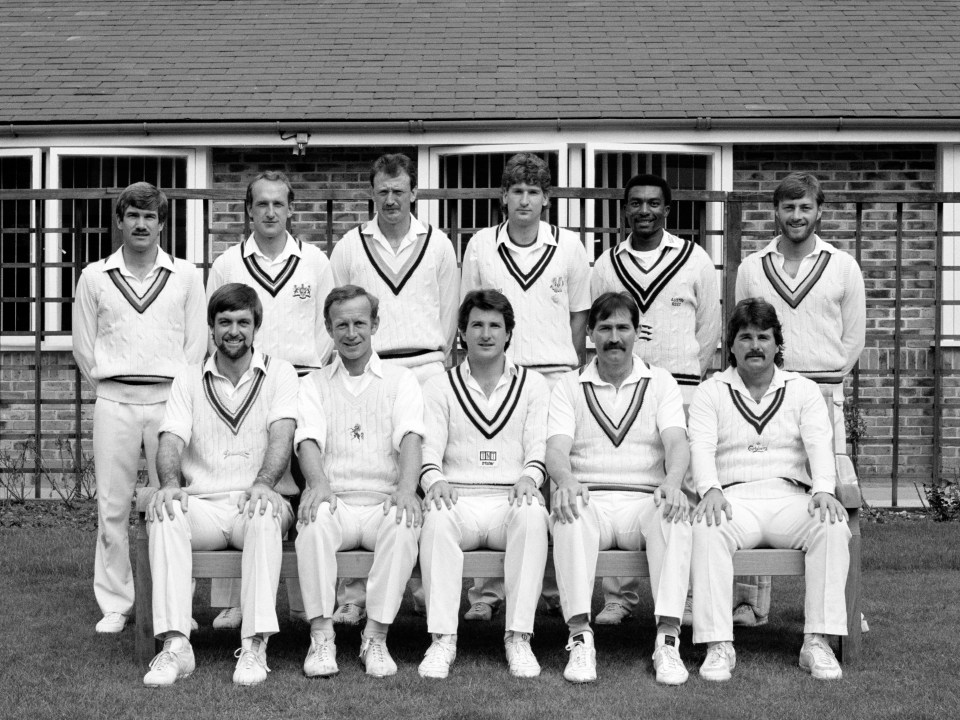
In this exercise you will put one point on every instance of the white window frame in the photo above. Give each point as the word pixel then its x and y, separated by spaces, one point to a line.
pixel 36 183
pixel 949 162
pixel 197 177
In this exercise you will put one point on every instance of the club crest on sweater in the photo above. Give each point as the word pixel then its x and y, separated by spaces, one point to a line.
pixel 356 432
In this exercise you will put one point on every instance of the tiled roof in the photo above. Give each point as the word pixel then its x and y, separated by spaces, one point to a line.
pixel 346 60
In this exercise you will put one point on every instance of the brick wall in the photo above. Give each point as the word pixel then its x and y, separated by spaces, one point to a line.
pixel 756 169
pixel 875 168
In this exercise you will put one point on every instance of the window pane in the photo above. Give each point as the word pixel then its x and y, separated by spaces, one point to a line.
pixel 15 241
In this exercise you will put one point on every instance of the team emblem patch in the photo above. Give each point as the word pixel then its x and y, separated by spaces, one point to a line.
pixel 558 284
pixel 236 453
pixel 757 447
pixel 488 458
pixel 676 302
pixel 301 291
pixel 356 432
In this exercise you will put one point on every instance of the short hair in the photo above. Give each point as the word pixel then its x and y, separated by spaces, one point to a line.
pixel 610 303
pixel 392 165
pixel 490 300
pixel 143 196
pixel 528 169
pixel 232 297
pixel 798 185
pixel 762 315
pixel 269 176
pixel 645 179
pixel 349 292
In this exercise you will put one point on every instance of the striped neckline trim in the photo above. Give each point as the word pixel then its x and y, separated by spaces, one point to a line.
pixel 488 427
pixel 794 296
pixel 271 285
pixel 616 431
pixel 395 280
pixel 758 422
pixel 138 303
pixel 526 279
pixel 235 419
pixel 635 278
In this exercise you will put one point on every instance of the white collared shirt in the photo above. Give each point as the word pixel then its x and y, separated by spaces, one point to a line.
pixel 224 385
pixel 808 261
pixel 140 287
pixel 395 258
pixel 527 255
pixel 271 265
pixel 615 400
pixel 647 258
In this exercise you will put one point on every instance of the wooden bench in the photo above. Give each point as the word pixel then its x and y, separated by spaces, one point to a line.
pixel 489 563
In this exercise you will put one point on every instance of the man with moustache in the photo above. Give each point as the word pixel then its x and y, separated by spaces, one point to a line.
pixel 818 292
pixel 292 279
pixel 359 434
pixel 223 461
pixel 137 321
pixel 617 450
pixel 763 463
pixel 674 283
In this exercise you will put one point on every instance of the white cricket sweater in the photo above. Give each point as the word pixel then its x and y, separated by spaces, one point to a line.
pixel 130 347
pixel 418 301
pixel 474 442
pixel 735 441
pixel 678 296
pixel 543 286
pixel 292 298
pixel 227 436
pixel 822 311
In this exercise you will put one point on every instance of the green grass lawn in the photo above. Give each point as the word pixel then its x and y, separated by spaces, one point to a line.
pixel 55 666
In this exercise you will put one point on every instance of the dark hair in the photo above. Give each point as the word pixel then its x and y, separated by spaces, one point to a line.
pixel 528 169
pixel 232 297
pixel 392 165
pixel 798 185
pixel 349 292
pixel 143 196
pixel 269 176
pixel 651 181
pixel 491 300
pixel 610 303
pixel 762 315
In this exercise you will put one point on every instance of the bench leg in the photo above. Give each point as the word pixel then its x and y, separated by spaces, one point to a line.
pixel 146 644
pixel 850 646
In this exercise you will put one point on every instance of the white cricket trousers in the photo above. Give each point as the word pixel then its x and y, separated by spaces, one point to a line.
pixel 486 521
pixel 628 521
pixel 119 430
pixel 213 522
pixel 350 527
pixel 777 522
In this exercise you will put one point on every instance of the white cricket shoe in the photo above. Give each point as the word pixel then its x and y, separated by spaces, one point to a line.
pixel 666 660
pixel 376 658
pixel 523 663
pixel 582 665
pixel 349 614
pixel 173 662
pixel 251 663
pixel 818 659
pixel 613 613
pixel 321 660
pixel 721 660
pixel 229 619
pixel 112 622
pixel 438 659
pixel 479 611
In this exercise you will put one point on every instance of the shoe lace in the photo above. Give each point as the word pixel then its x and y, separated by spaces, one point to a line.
pixel 578 653
pixel 613 607
pixel 523 653
pixel 479 607
pixel 670 657
pixel 436 653
pixel 164 659
pixel 321 649
pixel 374 648
pixel 821 654
pixel 718 654
pixel 248 658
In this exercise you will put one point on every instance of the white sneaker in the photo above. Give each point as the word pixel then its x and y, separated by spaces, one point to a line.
pixel 613 613
pixel 438 659
pixel 228 619
pixel 173 662
pixel 523 663
pixel 349 614
pixel 582 665
pixel 376 658
pixel 251 663
pixel 818 659
pixel 721 659
pixel 112 622
pixel 321 660
pixel 666 660
pixel 479 611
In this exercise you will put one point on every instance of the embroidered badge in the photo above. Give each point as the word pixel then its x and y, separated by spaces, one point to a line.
pixel 676 302
pixel 757 447
pixel 356 432
pixel 238 453
pixel 488 458
pixel 558 284
pixel 301 291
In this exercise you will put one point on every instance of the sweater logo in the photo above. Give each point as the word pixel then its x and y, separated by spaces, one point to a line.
pixel 558 284
pixel 676 302
pixel 301 291
pixel 757 447
pixel 356 432
pixel 488 458
pixel 238 453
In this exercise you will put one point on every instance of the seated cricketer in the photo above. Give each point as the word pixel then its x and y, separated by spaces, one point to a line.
pixel 762 455
pixel 482 469
pixel 359 434
pixel 617 450
pixel 223 461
